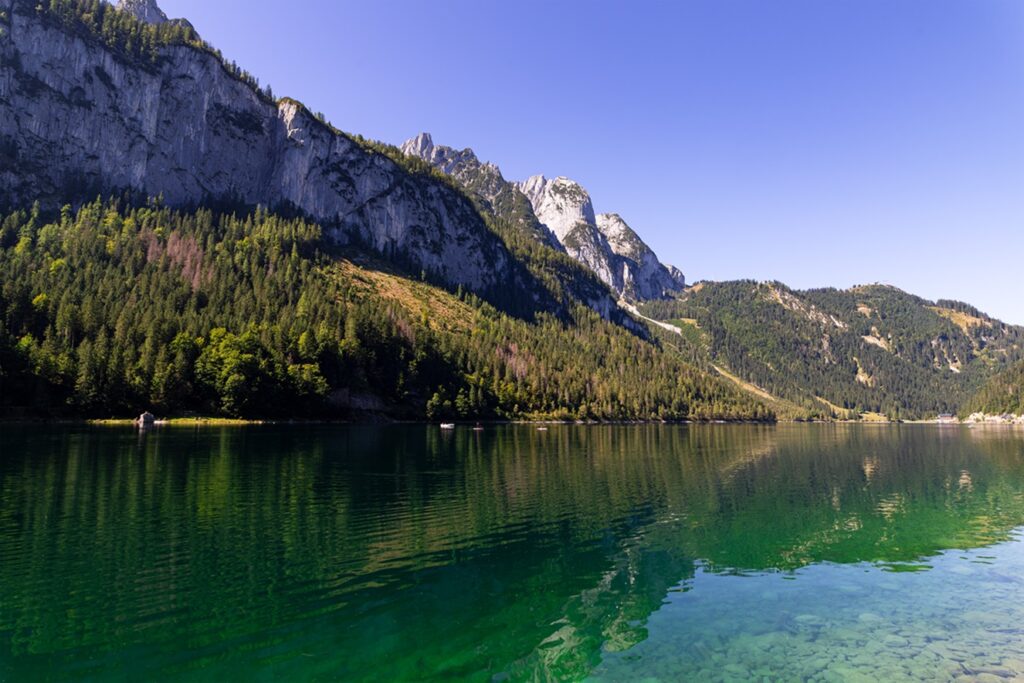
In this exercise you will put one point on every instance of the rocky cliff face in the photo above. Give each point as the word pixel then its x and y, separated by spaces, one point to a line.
pixel 585 281
pixel 77 117
pixel 643 275
pixel 143 10
pixel 500 197
pixel 604 243
pixel 560 213
pixel 561 204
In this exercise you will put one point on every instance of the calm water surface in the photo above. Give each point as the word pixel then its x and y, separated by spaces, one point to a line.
pixel 605 553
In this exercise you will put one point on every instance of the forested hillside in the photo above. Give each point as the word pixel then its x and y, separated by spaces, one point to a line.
pixel 108 311
pixel 410 284
pixel 1001 395
pixel 868 349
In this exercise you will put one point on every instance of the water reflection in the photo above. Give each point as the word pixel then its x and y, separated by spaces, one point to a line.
pixel 407 552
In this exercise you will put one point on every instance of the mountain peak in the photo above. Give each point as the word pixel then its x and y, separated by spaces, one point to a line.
pixel 143 10
pixel 560 204
pixel 420 146
pixel 446 159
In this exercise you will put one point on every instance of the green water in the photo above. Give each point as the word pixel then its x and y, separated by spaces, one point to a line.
pixel 606 553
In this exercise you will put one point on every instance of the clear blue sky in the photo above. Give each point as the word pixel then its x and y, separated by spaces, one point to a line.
pixel 817 142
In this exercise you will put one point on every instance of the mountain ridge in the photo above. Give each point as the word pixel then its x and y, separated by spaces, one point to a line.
pixel 560 214
pixel 867 349
pixel 78 118
pixel 94 101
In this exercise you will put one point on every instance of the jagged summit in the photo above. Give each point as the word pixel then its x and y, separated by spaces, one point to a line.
pixel 559 212
pixel 484 180
pixel 143 10
pixel 561 203
pixel 421 146
pixel 604 243
pixel 444 158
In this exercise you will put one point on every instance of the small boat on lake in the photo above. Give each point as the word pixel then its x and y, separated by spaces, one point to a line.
pixel 447 425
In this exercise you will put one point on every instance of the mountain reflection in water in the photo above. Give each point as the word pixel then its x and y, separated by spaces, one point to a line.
pixel 406 552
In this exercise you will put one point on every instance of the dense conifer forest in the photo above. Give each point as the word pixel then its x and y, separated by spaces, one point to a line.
pixel 108 310
pixel 123 305
pixel 1003 394
pixel 868 349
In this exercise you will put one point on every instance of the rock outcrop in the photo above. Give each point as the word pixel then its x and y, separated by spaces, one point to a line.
pixel 643 275
pixel 558 212
pixel 505 201
pixel 561 204
pixel 483 179
pixel 604 243
pixel 78 118
pixel 143 10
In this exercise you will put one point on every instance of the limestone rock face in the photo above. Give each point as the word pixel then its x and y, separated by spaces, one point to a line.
pixel 507 201
pixel 604 243
pixel 77 119
pixel 677 276
pixel 566 209
pixel 143 10
pixel 560 213
pixel 643 275
pixel 499 196
pixel 561 204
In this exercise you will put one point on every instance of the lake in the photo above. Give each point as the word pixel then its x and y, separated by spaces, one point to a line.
pixel 605 553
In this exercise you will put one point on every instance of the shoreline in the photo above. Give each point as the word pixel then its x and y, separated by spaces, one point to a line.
pixel 196 422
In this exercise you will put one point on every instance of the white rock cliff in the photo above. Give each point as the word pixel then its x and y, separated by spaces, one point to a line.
pixel 502 198
pixel 604 243
pixel 143 10
pixel 77 118
pixel 559 212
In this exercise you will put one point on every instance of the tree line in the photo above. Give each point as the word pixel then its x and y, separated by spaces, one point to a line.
pixel 870 349
pixel 110 309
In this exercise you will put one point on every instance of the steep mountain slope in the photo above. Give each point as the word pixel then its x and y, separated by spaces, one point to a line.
pixel 510 215
pixel 558 213
pixel 109 311
pixel 484 180
pixel 868 349
pixel 604 243
pixel 1001 395
pixel 642 273
pixel 143 10
pixel 92 101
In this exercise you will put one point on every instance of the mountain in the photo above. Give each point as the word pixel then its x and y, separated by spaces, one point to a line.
pixel 484 180
pixel 255 261
pixel 509 213
pixel 143 10
pixel 643 275
pixel 109 310
pixel 872 349
pixel 558 213
pixel 93 101
pixel 604 243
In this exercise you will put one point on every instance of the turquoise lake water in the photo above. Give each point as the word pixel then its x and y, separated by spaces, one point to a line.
pixel 605 553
